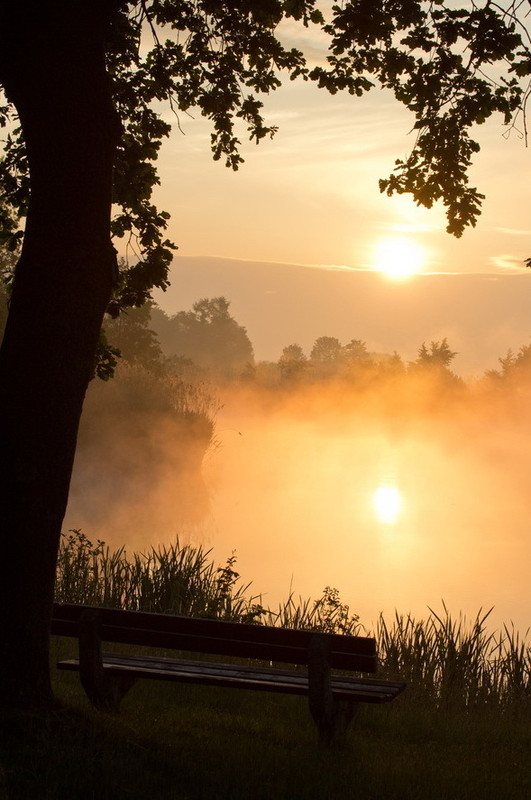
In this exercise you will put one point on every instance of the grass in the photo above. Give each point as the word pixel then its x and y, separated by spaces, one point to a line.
pixel 448 663
pixel 461 730
pixel 194 743
pixel 168 579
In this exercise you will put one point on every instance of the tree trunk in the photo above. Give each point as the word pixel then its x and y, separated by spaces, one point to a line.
pixel 52 67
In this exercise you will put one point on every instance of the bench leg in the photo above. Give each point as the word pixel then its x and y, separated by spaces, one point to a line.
pixel 331 715
pixel 345 711
pixel 332 724
pixel 105 690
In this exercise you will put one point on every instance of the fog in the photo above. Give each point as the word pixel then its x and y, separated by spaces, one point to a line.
pixel 137 476
pixel 294 495
pixel 291 479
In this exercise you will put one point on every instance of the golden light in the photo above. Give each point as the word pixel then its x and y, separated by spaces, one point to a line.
pixel 399 257
pixel 387 502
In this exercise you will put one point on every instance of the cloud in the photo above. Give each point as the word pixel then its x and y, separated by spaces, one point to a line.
pixel 513 231
pixel 505 261
pixel 396 227
pixel 341 267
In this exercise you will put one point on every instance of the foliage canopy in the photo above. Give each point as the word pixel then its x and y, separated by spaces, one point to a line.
pixel 451 64
pixel 208 335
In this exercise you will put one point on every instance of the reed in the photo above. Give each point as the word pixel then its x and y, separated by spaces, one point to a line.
pixel 327 614
pixel 451 663
pixel 171 579
pixel 448 662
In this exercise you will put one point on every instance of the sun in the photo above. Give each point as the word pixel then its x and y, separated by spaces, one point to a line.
pixel 387 503
pixel 399 257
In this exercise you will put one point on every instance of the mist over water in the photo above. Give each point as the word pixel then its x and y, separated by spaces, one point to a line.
pixel 137 477
pixel 290 485
pixel 293 491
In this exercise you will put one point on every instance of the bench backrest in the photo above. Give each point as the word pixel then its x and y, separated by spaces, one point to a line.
pixel 188 634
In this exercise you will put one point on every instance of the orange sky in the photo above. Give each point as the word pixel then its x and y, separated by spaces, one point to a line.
pixel 311 194
pixel 310 197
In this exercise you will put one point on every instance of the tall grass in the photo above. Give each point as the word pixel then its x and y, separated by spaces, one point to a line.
pixel 327 614
pixel 452 663
pixel 448 663
pixel 171 579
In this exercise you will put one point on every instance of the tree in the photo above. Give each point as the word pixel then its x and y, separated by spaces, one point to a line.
pixel 208 335
pixel 7 263
pixel 355 353
pixel 392 365
pixel 325 357
pixel 438 355
pixel 143 436
pixel 135 341
pixel 433 368
pixel 292 363
pixel 83 91
pixel 326 350
pixel 515 367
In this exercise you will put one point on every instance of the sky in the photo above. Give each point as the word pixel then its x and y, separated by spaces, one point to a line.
pixel 297 236
pixel 310 195
pixel 300 241
pixel 482 315
pixel 310 198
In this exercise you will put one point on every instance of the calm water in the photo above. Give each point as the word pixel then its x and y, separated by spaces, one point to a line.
pixel 294 494
pixel 296 489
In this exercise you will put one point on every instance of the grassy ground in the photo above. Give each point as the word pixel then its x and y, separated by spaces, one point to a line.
pixel 175 742
pixel 186 743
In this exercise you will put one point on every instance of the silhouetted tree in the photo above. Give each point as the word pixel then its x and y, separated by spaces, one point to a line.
pixel 507 363
pixel 355 352
pixel 325 357
pixel 438 355
pixel 392 365
pixel 326 350
pixel 515 367
pixel 3 308
pixel 142 430
pixel 357 361
pixel 136 342
pixel 432 366
pixel 7 263
pixel 292 363
pixel 208 335
pixel 522 361
pixel 83 89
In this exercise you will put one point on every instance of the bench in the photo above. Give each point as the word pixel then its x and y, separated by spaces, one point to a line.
pixel 333 698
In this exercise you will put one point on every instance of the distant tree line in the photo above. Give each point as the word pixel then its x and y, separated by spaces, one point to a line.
pixel 353 362
pixel 206 343
pixel 513 366
pixel 206 340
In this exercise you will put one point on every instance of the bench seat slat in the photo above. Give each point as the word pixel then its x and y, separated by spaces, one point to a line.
pixel 238 676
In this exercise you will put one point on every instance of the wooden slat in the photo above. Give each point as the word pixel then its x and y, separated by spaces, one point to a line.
pixel 354 653
pixel 242 677
pixel 191 626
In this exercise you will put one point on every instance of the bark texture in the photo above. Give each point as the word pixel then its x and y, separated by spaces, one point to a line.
pixel 52 67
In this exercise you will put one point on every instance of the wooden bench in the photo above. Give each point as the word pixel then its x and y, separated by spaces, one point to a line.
pixel 333 699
